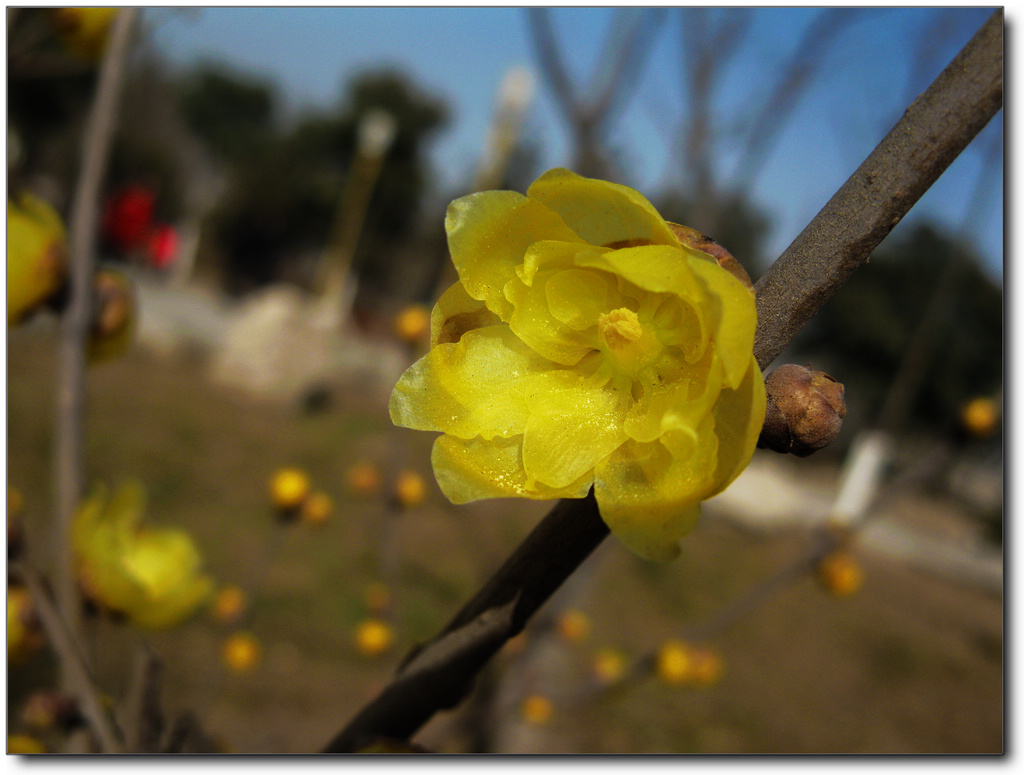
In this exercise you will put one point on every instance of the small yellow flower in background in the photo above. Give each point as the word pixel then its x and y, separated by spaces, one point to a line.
pixel 84 30
pixel 674 662
pixel 241 652
pixel 36 255
pixel 363 479
pixel 151 575
pixel 229 603
pixel 585 345
pixel 536 709
pixel 317 508
pixel 24 635
pixel 15 500
pixel 573 625
pixel 373 637
pixel 980 417
pixel 22 744
pixel 608 665
pixel 377 597
pixel 289 488
pixel 412 324
pixel 410 489
pixel 706 667
pixel 839 574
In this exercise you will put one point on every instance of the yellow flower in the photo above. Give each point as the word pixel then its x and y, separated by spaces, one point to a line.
pixel 36 255
pixel 410 489
pixel 536 709
pixel 84 30
pixel 241 652
pixel 585 346
pixel 151 575
pixel 24 635
pixel 289 487
pixel 373 637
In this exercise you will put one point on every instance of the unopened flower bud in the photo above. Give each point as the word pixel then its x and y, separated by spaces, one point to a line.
pixel 805 410
pixel 702 242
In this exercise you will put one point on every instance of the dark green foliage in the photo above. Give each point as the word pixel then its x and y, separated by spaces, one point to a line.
pixel 282 202
pixel 232 114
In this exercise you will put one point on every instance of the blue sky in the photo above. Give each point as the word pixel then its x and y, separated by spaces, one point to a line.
pixel 869 74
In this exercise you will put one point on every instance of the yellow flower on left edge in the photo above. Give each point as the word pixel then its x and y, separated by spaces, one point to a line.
pixel 585 345
pixel 151 575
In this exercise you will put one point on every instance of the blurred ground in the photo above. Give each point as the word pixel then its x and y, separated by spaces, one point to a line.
pixel 911 664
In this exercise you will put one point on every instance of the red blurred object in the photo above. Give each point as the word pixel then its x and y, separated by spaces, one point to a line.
pixel 128 218
pixel 163 246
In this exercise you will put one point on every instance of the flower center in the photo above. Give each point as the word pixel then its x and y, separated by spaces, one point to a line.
pixel 619 328
pixel 629 345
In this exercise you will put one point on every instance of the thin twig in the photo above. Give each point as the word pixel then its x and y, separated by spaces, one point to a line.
pixel 933 131
pixel 68 477
pixel 78 675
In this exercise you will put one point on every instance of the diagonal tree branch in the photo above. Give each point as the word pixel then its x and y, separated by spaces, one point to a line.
pixel 930 135
pixel 839 239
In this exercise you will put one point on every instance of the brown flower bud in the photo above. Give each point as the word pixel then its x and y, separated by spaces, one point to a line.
pixel 702 242
pixel 805 410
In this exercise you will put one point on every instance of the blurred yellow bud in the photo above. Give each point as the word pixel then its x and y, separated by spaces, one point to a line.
pixel 609 665
pixel 363 479
pixel 114 316
pixel 289 488
pixel 674 662
pixel 84 30
pixel 373 637
pixel 36 255
pixel 241 652
pixel 15 500
pixel 151 575
pixel 706 667
pixel 229 603
pixel 573 625
pixel 24 635
pixel 412 324
pixel 377 597
pixel 22 744
pixel 410 489
pixel 536 709
pixel 839 574
pixel 317 508
pixel 980 417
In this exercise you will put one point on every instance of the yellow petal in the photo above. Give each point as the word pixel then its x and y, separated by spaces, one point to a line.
pixel 474 387
pixel 455 313
pixel 679 405
pixel 578 297
pixel 488 235
pixel 533 322
pixel 571 427
pixel 739 415
pixel 650 497
pixel 471 469
pixel 602 213
pixel 734 332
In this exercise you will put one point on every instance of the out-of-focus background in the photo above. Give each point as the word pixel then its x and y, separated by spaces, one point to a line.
pixel 277 190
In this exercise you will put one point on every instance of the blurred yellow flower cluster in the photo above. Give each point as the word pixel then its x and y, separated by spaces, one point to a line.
pixel 584 345
pixel 151 575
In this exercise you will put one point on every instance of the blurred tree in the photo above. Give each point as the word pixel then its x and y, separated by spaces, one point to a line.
pixel 862 333
pixel 232 113
pixel 277 213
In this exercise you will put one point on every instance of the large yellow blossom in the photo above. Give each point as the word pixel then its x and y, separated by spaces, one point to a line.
pixel 585 346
